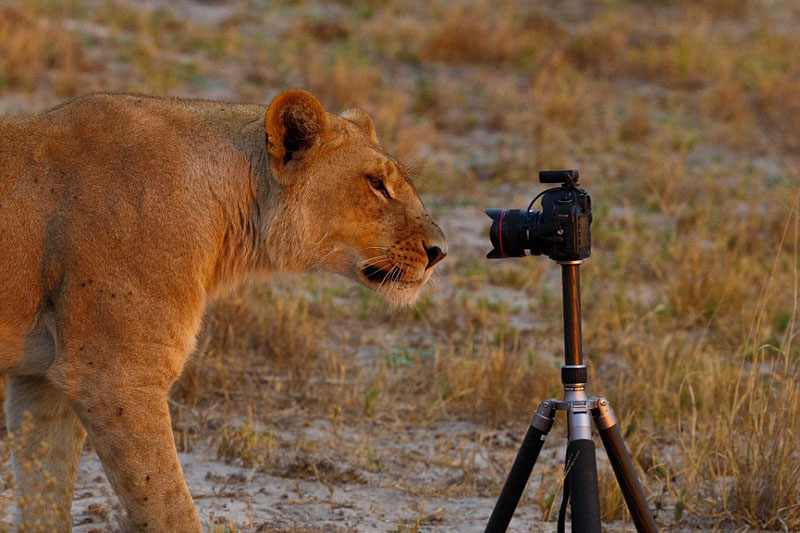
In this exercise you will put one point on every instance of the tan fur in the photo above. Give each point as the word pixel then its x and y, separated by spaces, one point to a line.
pixel 122 215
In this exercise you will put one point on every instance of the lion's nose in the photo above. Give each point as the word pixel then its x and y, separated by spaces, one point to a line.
pixel 435 254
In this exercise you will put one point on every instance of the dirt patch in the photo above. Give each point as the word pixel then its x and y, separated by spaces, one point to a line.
pixel 316 492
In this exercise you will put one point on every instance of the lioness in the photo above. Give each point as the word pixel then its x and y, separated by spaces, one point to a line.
pixel 122 215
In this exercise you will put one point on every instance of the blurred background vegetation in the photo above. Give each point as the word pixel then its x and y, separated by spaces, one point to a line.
pixel 684 120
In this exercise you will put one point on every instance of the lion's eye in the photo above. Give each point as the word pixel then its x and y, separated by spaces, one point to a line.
pixel 376 182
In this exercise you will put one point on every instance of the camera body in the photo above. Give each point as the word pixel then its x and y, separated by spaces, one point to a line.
pixel 561 230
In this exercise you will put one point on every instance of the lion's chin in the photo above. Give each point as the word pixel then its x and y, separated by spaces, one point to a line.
pixel 397 291
pixel 400 294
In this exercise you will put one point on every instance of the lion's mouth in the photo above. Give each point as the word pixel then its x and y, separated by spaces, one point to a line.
pixel 381 275
pixel 396 283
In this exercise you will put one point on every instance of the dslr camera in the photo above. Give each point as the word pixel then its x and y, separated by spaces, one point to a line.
pixel 560 230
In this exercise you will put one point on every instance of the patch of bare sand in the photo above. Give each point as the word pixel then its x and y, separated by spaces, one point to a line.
pixel 344 497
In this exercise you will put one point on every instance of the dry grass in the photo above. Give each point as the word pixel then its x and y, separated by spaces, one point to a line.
pixel 38 504
pixel 35 52
pixel 684 122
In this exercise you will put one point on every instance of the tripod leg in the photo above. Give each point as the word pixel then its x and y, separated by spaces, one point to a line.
pixel 623 467
pixel 522 468
pixel 582 476
pixel 581 463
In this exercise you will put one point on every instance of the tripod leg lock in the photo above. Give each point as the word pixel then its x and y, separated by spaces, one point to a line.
pixel 603 415
pixel 543 417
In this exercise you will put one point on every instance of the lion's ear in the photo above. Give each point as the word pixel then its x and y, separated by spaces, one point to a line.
pixel 360 118
pixel 295 121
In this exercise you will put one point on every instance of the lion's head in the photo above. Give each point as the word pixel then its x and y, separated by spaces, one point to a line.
pixel 353 202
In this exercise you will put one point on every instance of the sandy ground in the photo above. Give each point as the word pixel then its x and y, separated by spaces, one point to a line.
pixel 325 489
pixel 236 493
pixel 358 501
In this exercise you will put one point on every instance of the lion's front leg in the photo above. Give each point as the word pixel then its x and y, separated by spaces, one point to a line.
pixel 126 416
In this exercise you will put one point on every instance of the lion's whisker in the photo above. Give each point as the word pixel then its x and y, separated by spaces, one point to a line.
pixel 374 260
pixel 389 273
pixel 318 260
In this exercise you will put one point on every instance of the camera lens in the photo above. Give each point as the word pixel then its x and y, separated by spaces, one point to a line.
pixel 508 233
pixel 511 233
pixel 534 221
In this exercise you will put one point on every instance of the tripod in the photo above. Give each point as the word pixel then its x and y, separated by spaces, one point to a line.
pixel 580 486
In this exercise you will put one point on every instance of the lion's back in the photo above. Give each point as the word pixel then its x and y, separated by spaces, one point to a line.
pixel 104 181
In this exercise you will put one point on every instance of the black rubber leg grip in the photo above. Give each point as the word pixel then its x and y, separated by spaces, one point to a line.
pixel 620 460
pixel 582 474
pixel 516 481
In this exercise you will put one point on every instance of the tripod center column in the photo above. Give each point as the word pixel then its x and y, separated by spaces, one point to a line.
pixel 573 373
pixel 571 288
